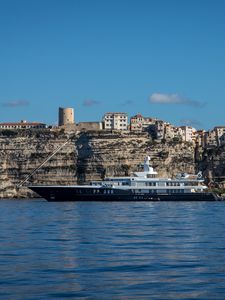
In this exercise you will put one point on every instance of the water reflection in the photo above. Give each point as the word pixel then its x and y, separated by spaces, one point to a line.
pixel 112 250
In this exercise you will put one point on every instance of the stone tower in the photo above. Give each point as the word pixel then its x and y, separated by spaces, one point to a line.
pixel 66 116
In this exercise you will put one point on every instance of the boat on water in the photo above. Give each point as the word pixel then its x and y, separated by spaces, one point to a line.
pixel 140 186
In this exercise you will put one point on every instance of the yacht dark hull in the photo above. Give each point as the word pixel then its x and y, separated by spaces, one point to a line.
pixel 73 193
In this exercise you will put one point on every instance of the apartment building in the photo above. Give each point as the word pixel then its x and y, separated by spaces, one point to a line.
pixel 140 123
pixel 210 138
pixel 214 137
pixel 115 121
pixel 200 137
pixel 163 130
pixel 188 133
pixel 220 131
pixel 159 129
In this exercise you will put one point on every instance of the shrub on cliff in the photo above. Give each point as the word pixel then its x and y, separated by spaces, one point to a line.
pixel 8 133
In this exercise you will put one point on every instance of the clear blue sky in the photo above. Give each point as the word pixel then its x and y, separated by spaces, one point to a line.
pixel 161 58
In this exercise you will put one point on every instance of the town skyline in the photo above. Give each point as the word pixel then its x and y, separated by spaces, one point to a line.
pixel 140 57
pixel 129 117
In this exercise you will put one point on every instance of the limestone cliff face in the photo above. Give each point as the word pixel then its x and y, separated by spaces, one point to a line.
pixel 88 156
pixel 212 162
pixel 22 153
pixel 107 154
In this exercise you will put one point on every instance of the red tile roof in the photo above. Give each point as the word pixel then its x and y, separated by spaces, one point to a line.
pixel 21 124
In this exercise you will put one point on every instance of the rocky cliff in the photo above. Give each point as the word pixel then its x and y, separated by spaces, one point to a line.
pixel 94 155
pixel 212 162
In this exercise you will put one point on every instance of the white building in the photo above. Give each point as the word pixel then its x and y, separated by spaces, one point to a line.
pixel 213 138
pixel 188 133
pixel 220 131
pixel 116 121
pixel 210 138
pixel 163 130
pixel 22 125
pixel 200 137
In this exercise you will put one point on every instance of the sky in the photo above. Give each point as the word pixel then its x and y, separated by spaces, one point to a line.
pixel 161 58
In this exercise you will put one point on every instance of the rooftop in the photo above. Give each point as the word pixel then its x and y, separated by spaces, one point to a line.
pixel 21 123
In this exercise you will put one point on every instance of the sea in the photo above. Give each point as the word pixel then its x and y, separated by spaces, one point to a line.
pixel 120 250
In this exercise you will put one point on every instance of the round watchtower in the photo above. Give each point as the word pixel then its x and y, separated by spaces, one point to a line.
pixel 66 116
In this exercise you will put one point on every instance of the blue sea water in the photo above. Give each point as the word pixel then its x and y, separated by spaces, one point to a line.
pixel 99 250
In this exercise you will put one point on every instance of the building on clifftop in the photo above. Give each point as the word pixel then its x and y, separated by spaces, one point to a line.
pixel 115 121
pixel 23 124
pixel 140 123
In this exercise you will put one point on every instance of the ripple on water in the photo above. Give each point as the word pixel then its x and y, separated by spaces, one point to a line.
pixel 135 250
